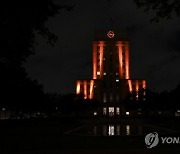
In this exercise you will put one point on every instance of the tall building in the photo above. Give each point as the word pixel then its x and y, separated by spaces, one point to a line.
pixel 111 80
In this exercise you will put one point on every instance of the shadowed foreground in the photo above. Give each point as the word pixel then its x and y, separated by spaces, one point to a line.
pixel 47 137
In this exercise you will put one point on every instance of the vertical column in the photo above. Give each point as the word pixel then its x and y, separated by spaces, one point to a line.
pixel 101 45
pixel 85 89
pixel 91 89
pixel 120 59
pixel 144 84
pixel 144 87
pixel 137 89
pixel 127 60
pixel 94 60
pixel 137 85
pixel 130 85
pixel 78 83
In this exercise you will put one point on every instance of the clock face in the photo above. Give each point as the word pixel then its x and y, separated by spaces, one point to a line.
pixel 110 34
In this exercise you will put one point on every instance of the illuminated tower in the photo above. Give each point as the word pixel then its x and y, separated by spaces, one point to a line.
pixel 110 81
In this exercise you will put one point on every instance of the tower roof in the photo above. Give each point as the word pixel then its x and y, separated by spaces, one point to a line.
pixel 103 35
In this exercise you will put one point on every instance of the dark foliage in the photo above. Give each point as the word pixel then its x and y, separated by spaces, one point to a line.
pixel 163 9
pixel 19 21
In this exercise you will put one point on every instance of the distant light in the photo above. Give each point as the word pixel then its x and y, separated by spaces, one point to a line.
pixel 104 73
pixel 178 110
pixel 98 73
pixel 117 80
pixel 56 108
pixel 3 109
pixel 116 73
pixel 127 130
pixel 95 113
pixel 111 130
pixel 127 113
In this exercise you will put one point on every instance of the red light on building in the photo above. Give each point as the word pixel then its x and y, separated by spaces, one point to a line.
pixel 110 34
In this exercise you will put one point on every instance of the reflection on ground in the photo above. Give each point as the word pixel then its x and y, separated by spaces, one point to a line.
pixel 117 130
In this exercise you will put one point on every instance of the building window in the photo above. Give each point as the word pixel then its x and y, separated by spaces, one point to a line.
pixel 104 98
pixel 104 111
pixel 127 130
pixel 111 97
pixel 118 130
pixel 111 111
pixel 104 73
pixel 98 73
pixel 117 80
pixel 117 97
pixel 118 111
pixel 111 130
pixel 127 113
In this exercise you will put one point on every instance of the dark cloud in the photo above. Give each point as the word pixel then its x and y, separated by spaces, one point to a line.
pixel 152 45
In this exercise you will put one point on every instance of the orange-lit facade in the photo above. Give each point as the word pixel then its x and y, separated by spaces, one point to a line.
pixel 111 80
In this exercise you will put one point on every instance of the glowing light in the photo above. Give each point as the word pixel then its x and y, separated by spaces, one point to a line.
pixel 118 111
pixel 104 111
pixel 137 89
pixel 91 89
pixel 98 73
pixel 101 44
pixel 117 80
pixel 127 61
pixel 144 84
pixel 104 73
pixel 111 130
pixel 94 60
pixel 95 113
pixel 130 85
pixel 85 89
pixel 127 130
pixel 127 113
pixel 137 85
pixel 120 60
pixel 111 111
pixel 78 87
pixel 144 87
pixel 110 34
pixel 3 109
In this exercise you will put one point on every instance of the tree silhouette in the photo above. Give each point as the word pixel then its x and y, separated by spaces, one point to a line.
pixel 163 9
pixel 19 21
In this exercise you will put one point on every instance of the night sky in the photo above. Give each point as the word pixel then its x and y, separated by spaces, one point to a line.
pixel 155 47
